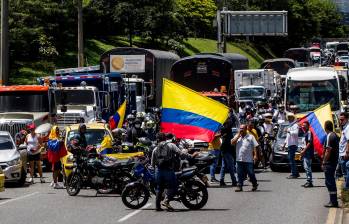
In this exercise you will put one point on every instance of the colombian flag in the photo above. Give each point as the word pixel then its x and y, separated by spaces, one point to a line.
pixel 117 119
pixel 106 146
pixel 317 120
pixel 188 114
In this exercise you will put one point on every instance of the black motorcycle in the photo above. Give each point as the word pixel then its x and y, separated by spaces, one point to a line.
pixel 93 171
pixel 191 191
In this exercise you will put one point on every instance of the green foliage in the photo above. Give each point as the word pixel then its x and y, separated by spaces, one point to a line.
pixel 198 15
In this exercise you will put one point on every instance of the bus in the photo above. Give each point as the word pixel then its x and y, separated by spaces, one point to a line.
pixel 309 88
pixel 301 56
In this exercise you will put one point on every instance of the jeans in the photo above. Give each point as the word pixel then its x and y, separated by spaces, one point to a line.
pixel 213 166
pixel 242 169
pixel 291 154
pixel 345 170
pixel 307 168
pixel 165 179
pixel 228 163
pixel 330 182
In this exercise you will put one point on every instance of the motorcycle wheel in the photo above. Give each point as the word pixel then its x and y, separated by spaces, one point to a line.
pixel 124 179
pixel 73 184
pixel 135 196
pixel 195 195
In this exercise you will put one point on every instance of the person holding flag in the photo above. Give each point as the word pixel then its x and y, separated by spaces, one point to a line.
pixel 291 143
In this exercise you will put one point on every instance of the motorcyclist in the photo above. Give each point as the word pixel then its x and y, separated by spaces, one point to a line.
pixel 79 139
pixel 150 129
pixel 129 120
pixel 135 132
pixel 162 160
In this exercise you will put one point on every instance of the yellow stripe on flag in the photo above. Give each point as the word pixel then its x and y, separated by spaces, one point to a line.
pixel 122 112
pixel 323 114
pixel 176 96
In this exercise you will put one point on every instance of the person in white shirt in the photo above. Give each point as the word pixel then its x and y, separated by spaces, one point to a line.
pixel 291 143
pixel 344 147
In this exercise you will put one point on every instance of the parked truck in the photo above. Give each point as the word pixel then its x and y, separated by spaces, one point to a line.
pixel 85 97
pixel 141 67
pixel 256 84
pixel 209 71
pixel 23 105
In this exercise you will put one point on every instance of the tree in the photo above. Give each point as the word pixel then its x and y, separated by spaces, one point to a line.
pixel 198 16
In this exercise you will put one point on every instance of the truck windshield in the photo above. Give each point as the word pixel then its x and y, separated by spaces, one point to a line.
pixel 309 95
pixel 93 136
pixel 251 92
pixel 24 101
pixel 75 97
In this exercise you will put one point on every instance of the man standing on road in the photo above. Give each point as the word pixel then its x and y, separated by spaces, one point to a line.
pixel 246 146
pixel 344 147
pixel 291 143
pixel 163 159
pixel 329 163
pixel 227 151
pixel 214 149
pixel 307 154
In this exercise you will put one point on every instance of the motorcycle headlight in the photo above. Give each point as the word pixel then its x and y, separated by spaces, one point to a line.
pixel 14 162
pixel 70 159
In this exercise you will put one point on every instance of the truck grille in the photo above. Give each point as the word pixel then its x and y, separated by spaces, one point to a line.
pixel 12 127
pixel 67 119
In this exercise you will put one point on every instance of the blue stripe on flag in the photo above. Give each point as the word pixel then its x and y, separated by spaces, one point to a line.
pixel 184 117
pixel 315 124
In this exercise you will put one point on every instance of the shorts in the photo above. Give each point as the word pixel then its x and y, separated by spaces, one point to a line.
pixel 35 157
pixel 56 166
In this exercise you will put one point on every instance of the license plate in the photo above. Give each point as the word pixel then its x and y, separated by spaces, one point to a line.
pixel 297 157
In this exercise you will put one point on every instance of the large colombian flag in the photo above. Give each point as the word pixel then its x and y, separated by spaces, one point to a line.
pixel 117 119
pixel 317 120
pixel 188 114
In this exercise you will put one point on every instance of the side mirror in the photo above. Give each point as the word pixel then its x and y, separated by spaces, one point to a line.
pixel 64 109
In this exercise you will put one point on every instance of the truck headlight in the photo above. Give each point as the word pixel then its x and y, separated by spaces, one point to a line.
pixel 14 162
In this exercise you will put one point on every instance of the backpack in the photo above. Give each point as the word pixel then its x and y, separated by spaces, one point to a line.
pixel 164 157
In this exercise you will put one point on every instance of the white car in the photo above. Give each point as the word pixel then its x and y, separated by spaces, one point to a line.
pixel 12 161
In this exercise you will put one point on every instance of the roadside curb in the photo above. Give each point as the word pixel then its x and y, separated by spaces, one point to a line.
pixel 342 214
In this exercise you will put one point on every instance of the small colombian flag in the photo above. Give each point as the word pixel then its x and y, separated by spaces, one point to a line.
pixel 117 119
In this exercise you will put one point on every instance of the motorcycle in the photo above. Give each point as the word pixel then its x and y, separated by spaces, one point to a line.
pixel 191 191
pixel 93 171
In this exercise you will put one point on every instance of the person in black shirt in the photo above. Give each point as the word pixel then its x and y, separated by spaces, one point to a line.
pixel 308 153
pixel 329 163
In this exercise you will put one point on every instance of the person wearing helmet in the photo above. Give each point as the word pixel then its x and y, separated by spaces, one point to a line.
pixel 150 130
pixel 130 119
pixel 118 135
pixel 79 139
pixel 135 132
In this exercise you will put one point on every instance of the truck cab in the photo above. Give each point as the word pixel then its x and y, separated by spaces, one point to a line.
pixel 136 93
pixel 76 104
pixel 22 105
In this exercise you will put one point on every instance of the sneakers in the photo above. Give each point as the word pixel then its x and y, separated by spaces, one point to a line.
pixel 307 185
pixel 214 180
pixel 331 205
pixel 42 180
pixel 167 205
pixel 238 189
pixel 293 177
pixel 52 184
pixel 254 187
pixel 57 186
pixel 31 180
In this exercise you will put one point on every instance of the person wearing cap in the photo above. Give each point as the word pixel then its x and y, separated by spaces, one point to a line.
pixel 291 143
pixel 267 125
pixel 279 115
pixel 34 143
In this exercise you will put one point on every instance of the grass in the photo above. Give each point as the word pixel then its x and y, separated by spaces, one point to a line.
pixel 27 72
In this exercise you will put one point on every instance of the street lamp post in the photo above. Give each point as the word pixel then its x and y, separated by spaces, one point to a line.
pixel 4 57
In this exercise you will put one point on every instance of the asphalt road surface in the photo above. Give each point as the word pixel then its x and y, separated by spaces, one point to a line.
pixel 278 200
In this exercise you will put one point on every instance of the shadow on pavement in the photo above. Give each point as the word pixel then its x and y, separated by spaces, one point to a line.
pixel 188 210
pixel 15 185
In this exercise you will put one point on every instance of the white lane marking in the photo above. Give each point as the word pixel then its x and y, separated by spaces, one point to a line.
pixel 134 213
pixel 19 198
pixel 331 216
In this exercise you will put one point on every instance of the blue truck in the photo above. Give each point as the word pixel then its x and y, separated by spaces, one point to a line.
pixel 82 96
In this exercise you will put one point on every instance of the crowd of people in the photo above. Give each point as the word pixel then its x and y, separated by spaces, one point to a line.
pixel 239 151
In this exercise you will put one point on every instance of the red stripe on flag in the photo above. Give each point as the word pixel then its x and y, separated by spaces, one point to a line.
pixel 187 131
pixel 318 147
pixel 112 123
